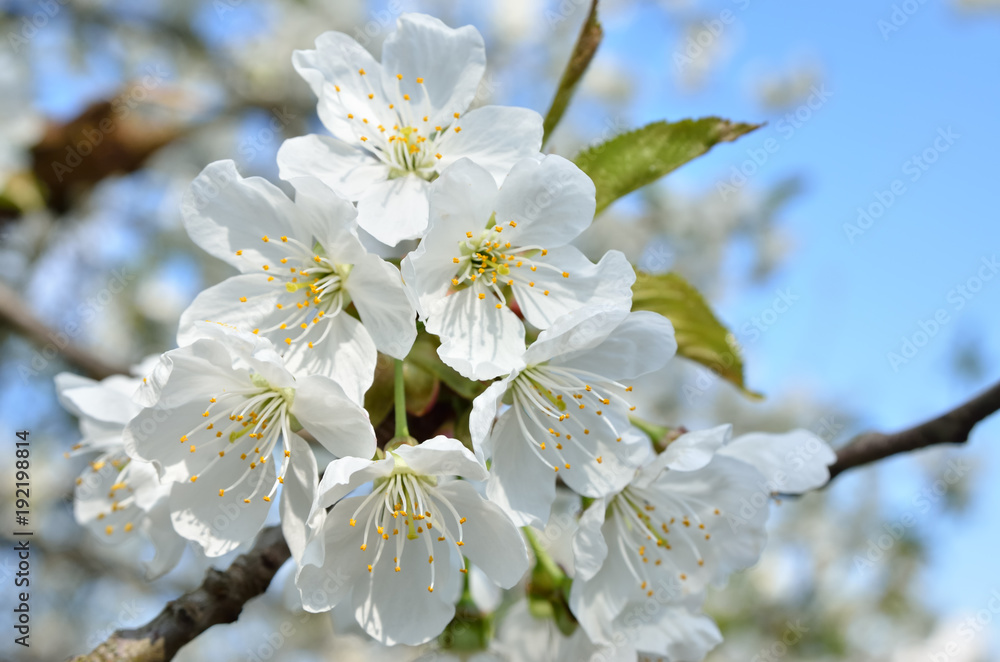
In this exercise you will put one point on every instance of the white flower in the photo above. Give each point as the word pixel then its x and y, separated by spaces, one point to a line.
pixel 569 413
pixel 222 420
pixel 117 496
pixel 397 553
pixel 691 516
pixel 302 266
pixel 398 124
pixel 486 246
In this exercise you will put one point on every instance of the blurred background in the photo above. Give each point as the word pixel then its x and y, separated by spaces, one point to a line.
pixel 827 241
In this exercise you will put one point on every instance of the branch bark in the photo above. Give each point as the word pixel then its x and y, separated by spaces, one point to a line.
pixel 15 314
pixel 219 599
pixel 952 427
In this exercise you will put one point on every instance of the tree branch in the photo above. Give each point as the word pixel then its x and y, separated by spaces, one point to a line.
pixel 952 427
pixel 219 599
pixel 15 314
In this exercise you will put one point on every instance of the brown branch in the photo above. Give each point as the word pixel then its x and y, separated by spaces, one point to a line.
pixel 219 599
pixel 16 315
pixel 952 427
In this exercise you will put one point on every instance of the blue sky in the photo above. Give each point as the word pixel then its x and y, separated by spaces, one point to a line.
pixel 891 96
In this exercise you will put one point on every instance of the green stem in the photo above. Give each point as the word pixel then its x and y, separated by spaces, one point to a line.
pixel 399 391
pixel 542 556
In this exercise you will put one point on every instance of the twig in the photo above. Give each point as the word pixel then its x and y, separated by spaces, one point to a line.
pixel 952 427
pixel 219 599
pixel 15 314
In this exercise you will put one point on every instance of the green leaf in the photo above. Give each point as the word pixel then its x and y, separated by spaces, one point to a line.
pixel 700 335
pixel 583 52
pixel 632 160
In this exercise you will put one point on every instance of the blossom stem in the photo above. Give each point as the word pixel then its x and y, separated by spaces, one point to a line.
pixel 542 557
pixel 402 429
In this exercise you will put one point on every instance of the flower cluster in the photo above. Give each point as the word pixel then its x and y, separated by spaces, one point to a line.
pixel 272 377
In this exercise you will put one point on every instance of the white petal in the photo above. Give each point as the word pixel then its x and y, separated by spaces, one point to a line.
pixel 478 340
pixel 673 632
pixel 297 496
pixel 494 137
pixel 224 213
pixel 461 200
pixel 642 343
pixel 346 354
pixel 484 412
pixel 329 218
pixel 492 541
pixel 322 587
pixel 168 545
pixel 519 482
pixel 200 370
pixel 689 452
pixel 793 462
pixel 337 63
pixel 376 288
pixel 395 209
pixel 576 332
pixel 221 524
pixel 346 474
pixel 336 422
pixel 551 200
pixel 222 303
pixel 450 61
pixel 396 607
pixel 108 401
pixel 345 168
pixel 589 546
pixel 597 601
pixel 608 282
pixel 442 456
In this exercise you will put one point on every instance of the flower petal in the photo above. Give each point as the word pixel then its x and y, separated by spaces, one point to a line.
pixel 297 496
pixel 168 546
pixel 689 452
pixel 461 200
pixel 344 167
pixel 337 62
pixel 584 284
pixel 551 200
pixel 484 412
pixel 342 350
pixel 589 546
pixel 346 474
pixel 221 523
pixel 349 432
pixel 519 482
pixel 478 339
pixel 642 343
pixel 376 288
pixel 492 541
pixel 395 209
pixel 495 138
pixel 450 61
pixel 323 586
pixel 224 213
pixel 793 463
pixel 442 456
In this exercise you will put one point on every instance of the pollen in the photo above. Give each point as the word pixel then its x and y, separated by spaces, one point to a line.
pixel 222 492
pixel 482 296
pixel 243 299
